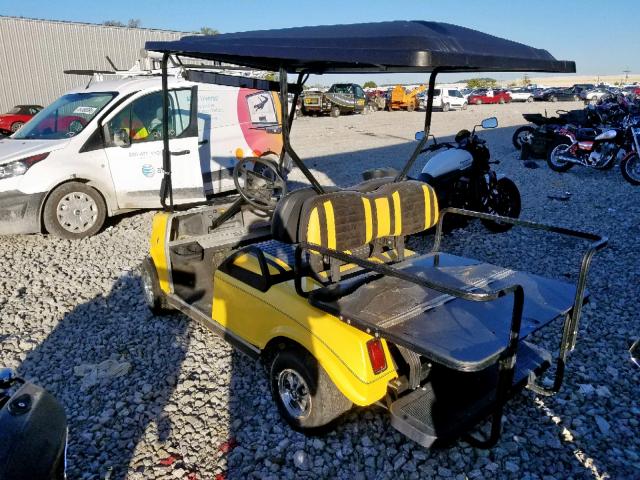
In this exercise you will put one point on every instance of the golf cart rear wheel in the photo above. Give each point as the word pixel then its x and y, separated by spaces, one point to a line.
pixel 74 210
pixel 153 295
pixel 304 394
pixel 335 112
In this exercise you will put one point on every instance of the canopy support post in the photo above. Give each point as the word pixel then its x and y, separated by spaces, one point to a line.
pixel 286 128
pixel 427 127
pixel 166 189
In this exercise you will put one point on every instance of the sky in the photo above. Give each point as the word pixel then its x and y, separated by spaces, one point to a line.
pixel 601 36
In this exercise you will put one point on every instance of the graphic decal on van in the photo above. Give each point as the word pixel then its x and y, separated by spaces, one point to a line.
pixel 259 118
pixel 148 170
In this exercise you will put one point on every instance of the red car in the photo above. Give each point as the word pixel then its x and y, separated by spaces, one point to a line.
pixel 17 116
pixel 489 96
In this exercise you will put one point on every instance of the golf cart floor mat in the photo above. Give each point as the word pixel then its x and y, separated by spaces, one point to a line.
pixel 460 334
pixel 452 402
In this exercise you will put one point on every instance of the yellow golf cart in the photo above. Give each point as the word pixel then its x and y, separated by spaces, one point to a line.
pixel 318 282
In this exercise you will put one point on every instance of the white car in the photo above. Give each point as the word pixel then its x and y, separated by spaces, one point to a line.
pixel 98 151
pixel 521 95
pixel 445 99
pixel 595 94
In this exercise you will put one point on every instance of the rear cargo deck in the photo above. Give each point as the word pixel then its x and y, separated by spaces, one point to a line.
pixel 459 334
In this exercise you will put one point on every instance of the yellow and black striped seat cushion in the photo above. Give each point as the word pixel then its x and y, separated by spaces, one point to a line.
pixel 347 220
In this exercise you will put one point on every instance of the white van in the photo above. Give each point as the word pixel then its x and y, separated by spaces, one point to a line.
pixel 445 99
pixel 97 151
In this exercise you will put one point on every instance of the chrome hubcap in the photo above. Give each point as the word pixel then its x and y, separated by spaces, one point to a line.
pixel 77 212
pixel 294 393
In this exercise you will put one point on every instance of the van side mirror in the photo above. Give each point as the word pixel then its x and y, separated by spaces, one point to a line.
pixel 419 135
pixel 491 122
pixel 121 138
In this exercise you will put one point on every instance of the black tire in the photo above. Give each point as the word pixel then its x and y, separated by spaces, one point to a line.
pixel 529 99
pixel 446 107
pixel 630 168
pixel 335 112
pixel 84 199
pixel 325 402
pixel 153 296
pixel 520 134
pixel 15 126
pixel 555 165
pixel 509 204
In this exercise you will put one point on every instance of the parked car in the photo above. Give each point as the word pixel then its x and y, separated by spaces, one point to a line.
pixel 559 94
pixel 521 95
pixel 489 96
pixel 97 151
pixel 11 121
pixel 594 95
pixel 445 99
pixel 340 98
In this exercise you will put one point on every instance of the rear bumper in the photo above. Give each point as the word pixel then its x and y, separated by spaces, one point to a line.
pixel 20 212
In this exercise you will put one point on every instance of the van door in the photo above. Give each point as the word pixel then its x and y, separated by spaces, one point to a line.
pixel 133 140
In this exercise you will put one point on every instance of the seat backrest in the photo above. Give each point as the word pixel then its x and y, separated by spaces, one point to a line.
pixel 348 220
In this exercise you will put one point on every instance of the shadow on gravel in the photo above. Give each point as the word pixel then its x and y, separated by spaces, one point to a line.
pixel 111 344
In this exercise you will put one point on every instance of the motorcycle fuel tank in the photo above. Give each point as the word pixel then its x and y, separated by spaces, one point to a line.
pixel 448 161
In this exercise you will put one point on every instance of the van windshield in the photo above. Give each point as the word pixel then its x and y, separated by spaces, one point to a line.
pixel 65 117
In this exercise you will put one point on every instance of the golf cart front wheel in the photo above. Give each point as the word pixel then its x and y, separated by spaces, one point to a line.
pixel 153 295
pixel 304 394
pixel 335 112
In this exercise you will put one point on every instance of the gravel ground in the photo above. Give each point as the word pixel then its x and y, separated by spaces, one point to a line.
pixel 180 403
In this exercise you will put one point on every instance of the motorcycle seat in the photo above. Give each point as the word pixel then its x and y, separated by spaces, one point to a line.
pixel 586 134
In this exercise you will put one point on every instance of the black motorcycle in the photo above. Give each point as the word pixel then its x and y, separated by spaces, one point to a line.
pixel 33 431
pixel 461 175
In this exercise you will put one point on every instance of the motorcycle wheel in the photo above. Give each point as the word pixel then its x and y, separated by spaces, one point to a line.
pixel 553 161
pixel 520 136
pixel 630 168
pixel 505 202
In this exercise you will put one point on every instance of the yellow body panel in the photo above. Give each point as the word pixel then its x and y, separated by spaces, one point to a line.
pixel 340 349
pixel 158 249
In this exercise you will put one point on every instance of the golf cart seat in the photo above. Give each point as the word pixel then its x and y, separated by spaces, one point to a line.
pixel 458 333
pixel 286 217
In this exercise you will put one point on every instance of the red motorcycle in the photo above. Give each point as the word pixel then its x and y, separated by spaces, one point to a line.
pixel 585 146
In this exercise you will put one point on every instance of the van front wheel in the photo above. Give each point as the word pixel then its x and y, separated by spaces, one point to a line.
pixel 74 210
pixel 305 395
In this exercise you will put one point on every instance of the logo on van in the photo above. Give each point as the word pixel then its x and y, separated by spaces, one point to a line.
pixel 148 170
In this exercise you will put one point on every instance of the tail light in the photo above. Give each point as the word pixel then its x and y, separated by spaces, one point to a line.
pixel 376 355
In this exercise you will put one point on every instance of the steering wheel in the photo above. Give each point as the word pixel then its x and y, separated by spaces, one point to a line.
pixel 259 183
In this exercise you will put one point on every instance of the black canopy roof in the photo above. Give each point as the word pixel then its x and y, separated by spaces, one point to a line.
pixel 399 46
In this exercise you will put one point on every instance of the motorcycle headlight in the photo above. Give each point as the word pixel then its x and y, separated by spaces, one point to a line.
pixel 20 167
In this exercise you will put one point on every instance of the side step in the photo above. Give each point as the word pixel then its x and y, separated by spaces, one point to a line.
pixel 452 402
